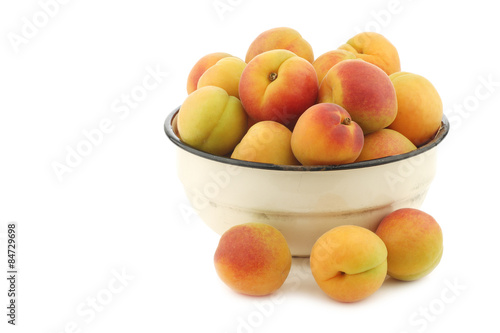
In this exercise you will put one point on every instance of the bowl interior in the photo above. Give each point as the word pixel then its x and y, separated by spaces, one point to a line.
pixel 440 135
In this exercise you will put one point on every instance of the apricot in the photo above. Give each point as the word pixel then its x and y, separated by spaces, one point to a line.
pixel 225 74
pixel 414 242
pixel 200 67
pixel 280 38
pixel 327 60
pixel 420 108
pixel 212 121
pixel 383 143
pixel 251 122
pixel 253 259
pixel 376 49
pixel 326 135
pixel 349 263
pixel 266 142
pixel 278 85
pixel 364 90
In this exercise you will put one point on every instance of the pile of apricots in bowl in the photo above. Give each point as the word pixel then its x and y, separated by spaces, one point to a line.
pixel 283 106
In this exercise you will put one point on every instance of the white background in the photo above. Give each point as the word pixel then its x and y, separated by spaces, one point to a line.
pixel 122 211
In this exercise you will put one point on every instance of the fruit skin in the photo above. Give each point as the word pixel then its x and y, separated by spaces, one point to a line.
pixel 278 85
pixel 225 74
pixel 251 122
pixel 349 263
pixel 325 135
pixel 200 67
pixel 364 90
pixel 280 38
pixel 420 108
pixel 212 121
pixel 327 60
pixel 266 142
pixel 253 259
pixel 375 49
pixel 414 243
pixel 383 143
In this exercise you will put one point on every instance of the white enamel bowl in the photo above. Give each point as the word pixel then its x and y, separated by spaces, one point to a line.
pixel 303 202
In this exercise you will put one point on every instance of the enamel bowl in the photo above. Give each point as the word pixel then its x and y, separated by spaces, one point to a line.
pixel 303 202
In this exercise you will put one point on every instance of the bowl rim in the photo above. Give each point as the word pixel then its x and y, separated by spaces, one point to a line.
pixel 439 136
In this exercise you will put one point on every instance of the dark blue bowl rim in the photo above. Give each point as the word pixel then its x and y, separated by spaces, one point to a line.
pixel 440 135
